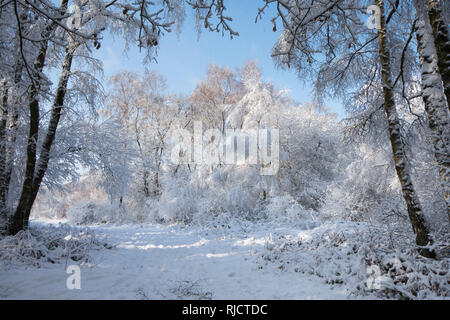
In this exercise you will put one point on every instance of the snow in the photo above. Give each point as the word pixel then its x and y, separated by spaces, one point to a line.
pixel 171 262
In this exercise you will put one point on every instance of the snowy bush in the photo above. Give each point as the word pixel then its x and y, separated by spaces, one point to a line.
pixel 359 257
pixel 177 203
pixel 232 189
pixel 205 194
pixel 39 245
pixel 367 189
pixel 285 210
pixel 190 290
pixel 408 275
pixel 86 213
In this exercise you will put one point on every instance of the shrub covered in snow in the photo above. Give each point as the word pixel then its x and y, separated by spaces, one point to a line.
pixel 86 213
pixel 367 189
pixel 39 245
pixel 285 210
pixel 365 260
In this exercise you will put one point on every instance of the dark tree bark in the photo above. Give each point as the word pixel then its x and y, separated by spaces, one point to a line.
pixel 442 43
pixel 19 220
pixel 44 154
pixel 8 129
pixel 403 170
pixel 4 118
pixel 8 126
pixel 3 139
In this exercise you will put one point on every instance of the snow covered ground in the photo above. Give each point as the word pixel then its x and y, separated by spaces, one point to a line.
pixel 172 262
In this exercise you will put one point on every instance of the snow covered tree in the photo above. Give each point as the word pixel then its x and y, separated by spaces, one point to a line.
pixel 439 23
pixel 435 102
pixel 215 96
pixel 34 168
pixel 148 115
pixel 329 42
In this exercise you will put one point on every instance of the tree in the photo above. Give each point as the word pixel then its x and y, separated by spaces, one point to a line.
pixel 34 170
pixel 433 95
pixel 441 40
pixel 148 116
pixel 328 41
pixel 415 211
pixel 214 97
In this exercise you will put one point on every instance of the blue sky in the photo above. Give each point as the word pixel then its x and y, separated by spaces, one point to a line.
pixel 183 58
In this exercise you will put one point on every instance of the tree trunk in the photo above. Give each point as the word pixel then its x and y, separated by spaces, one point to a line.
pixel 442 43
pixel 8 126
pixel 145 182
pixel 3 143
pixel 434 99
pixel 3 140
pixel 414 208
pixel 23 211
pixel 10 147
pixel 7 158
pixel 19 220
pixel 44 155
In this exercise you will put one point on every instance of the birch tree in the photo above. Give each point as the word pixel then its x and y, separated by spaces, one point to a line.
pixel 433 95
pixel 415 211
pixel 214 97
pixel 441 35
pixel 329 41
pixel 148 115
